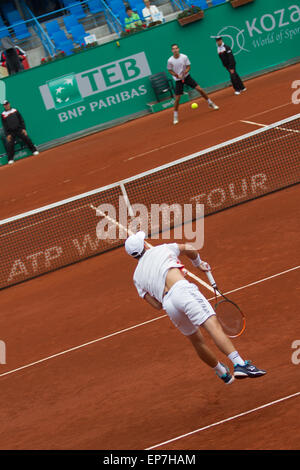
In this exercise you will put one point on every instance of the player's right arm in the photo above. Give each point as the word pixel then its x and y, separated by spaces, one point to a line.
pixel 170 69
pixel 145 295
pixel 189 251
pixel 173 73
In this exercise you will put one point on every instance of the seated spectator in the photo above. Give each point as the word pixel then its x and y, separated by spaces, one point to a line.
pixel 151 13
pixel 133 19
pixel 12 56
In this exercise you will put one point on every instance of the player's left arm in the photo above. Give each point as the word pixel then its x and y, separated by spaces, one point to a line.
pixel 230 59
pixel 152 301
pixel 187 70
pixel 21 120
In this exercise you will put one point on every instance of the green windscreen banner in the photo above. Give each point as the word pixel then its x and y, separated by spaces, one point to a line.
pixel 106 83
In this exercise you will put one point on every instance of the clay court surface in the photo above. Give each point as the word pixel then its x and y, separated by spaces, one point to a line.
pixel 91 366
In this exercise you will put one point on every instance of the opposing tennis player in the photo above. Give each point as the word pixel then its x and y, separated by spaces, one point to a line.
pixel 159 279
pixel 179 67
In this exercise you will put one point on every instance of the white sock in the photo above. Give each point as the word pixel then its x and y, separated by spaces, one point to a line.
pixel 176 114
pixel 209 101
pixel 236 358
pixel 220 369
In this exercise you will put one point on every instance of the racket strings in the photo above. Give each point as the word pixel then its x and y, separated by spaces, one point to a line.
pixel 230 317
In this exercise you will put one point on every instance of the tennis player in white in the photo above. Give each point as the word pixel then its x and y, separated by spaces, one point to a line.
pixel 159 279
pixel 179 67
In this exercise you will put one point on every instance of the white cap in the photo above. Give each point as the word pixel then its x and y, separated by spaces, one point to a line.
pixel 134 244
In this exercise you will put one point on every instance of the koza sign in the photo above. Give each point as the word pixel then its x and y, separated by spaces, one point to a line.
pixel 274 27
pixel 277 19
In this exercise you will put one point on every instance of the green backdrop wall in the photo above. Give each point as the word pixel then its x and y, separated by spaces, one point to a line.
pixel 109 82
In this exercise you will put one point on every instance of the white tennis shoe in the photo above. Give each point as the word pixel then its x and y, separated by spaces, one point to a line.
pixel 213 106
pixel 175 120
pixel 36 153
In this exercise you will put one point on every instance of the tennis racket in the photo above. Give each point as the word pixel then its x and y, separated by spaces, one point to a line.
pixel 229 314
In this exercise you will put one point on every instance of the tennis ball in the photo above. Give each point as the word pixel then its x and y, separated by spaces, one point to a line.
pixel 118 44
pixel 194 106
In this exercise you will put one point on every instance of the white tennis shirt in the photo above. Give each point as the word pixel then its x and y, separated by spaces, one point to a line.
pixel 178 65
pixel 151 271
pixel 153 10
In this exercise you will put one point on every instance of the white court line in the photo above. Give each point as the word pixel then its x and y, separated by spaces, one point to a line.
pixel 208 131
pixel 266 125
pixel 270 109
pixel 266 405
pixel 81 346
pixel 255 123
pixel 26 366
pixel 261 280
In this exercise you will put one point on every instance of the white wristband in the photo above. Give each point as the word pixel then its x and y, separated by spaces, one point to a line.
pixel 196 262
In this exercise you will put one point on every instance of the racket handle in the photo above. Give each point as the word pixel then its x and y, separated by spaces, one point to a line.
pixel 211 279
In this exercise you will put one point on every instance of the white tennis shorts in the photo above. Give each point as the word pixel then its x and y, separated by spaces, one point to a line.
pixel 187 307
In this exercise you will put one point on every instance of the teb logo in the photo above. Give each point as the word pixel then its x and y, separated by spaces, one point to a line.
pixel 64 91
pixel 72 88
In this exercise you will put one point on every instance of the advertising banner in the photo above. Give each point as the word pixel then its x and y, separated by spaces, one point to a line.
pixel 107 83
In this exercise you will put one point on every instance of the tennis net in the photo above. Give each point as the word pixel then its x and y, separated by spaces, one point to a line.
pixel 219 177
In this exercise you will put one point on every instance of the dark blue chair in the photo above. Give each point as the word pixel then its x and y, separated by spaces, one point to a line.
pixel 20 30
pixel 118 9
pixel 95 6
pixel 198 3
pixel 78 33
pixel 217 2
pixel 52 27
pixel 75 8
pixel 13 16
pixel 7 7
pixel 3 29
pixel 70 22
pixel 4 32
pixel 62 42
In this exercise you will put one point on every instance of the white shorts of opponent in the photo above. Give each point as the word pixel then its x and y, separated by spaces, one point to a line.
pixel 186 307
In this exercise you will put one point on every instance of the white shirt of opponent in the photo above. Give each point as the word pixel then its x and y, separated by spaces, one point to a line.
pixel 178 65
pixel 151 271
